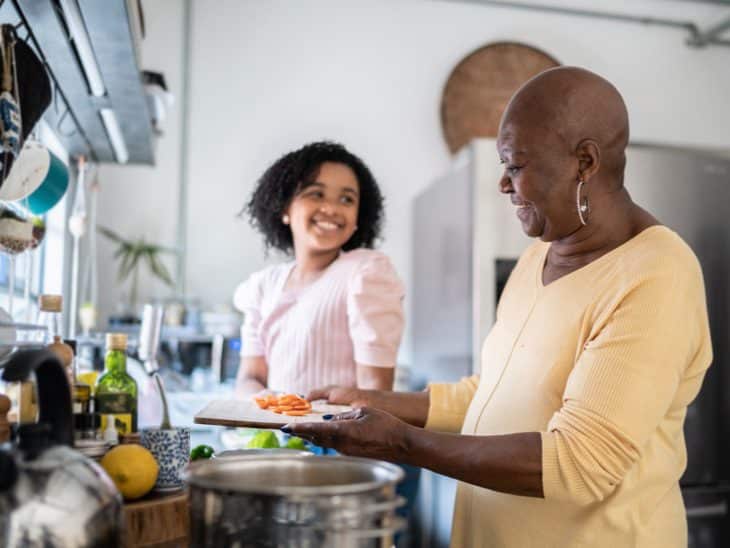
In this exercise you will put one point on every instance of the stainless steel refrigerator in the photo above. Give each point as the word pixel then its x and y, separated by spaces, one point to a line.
pixel 466 241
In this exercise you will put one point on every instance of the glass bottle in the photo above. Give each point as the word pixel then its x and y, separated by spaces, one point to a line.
pixel 81 391
pixel 49 316
pixel 116 391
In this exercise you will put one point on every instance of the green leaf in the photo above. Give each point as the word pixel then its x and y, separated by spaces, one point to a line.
pixel 129 266
pixel 159 269
pixel 130 252
pixel 113 236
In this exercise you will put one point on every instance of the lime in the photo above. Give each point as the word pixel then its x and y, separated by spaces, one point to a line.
pixel 296 443
pixel 201 452
pixel 265 439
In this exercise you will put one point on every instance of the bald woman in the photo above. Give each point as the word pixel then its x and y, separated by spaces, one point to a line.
pixel 572 434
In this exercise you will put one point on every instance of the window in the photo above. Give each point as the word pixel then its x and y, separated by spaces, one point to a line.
pixel 44 265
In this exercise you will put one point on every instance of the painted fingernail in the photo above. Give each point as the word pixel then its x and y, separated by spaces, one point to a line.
pixel 286 429
pixel 327 417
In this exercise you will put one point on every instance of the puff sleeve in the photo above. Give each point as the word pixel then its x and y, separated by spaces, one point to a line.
pixel 375 311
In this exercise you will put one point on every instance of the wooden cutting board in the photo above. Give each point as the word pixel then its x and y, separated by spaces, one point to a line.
pixel 157 521
pixel 247 413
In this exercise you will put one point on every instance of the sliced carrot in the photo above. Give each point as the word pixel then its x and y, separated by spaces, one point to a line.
pixel 289 404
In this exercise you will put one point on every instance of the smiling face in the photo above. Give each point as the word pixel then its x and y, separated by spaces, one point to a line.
pixel 323 213
pixel 540 178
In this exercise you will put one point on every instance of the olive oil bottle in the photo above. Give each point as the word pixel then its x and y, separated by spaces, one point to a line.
pixel 116 391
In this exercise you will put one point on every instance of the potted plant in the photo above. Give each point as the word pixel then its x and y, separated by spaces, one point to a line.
pixel 132 253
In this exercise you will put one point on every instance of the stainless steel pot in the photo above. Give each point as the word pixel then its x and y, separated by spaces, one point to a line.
pixel 235 453
pixel 293 501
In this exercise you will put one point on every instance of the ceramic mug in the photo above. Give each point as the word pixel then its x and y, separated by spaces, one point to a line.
pixel 51 189
pixel 27 173
pixel 171 449
pixel 38 177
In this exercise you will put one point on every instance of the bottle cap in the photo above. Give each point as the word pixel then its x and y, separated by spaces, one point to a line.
pixel 50 303
pixel 71 343
pixel 116 341
pixel 63 351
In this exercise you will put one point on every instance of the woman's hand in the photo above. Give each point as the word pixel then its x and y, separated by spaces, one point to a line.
pixel 363 432
pixel 411 407
pixel 340 395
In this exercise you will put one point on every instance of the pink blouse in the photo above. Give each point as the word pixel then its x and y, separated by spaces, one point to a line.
pixel 313 336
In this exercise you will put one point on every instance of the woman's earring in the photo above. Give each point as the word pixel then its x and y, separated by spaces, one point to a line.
pixel 582 207
pixel 285 219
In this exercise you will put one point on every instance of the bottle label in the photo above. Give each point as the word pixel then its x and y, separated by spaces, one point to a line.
pixel 121 407
pixel 122 422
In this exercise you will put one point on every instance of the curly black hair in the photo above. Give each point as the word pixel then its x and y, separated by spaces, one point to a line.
pixel 295 170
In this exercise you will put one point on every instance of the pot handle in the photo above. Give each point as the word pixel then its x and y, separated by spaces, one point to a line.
pixel 392 504
pixel 54 393
pixel 396 524
pixel 377 508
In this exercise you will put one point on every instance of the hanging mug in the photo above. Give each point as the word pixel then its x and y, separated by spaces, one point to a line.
pixel 38 177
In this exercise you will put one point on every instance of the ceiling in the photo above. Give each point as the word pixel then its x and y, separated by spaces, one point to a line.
pixel 705 23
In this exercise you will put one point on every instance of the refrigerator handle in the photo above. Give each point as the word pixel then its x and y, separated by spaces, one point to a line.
pixel 708 511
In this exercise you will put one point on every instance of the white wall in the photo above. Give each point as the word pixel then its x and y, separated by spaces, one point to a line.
pixel 268 76
pixel 142 201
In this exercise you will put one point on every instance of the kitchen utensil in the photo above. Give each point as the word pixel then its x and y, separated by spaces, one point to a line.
pixel 18 233
pixel 149 336
pixel 50 495
pixel 34 86
pixel 477 90
pixel 293 501
pixel 247 413
pixel 77 228
pixel 171 449
pixel 10 120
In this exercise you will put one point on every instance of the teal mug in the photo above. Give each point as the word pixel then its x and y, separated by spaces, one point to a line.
pixel 38 178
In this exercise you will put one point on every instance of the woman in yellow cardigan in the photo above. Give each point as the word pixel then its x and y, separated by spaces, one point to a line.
pixel 572 434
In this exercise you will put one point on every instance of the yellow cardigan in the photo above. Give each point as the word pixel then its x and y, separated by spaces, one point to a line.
pixel 603 362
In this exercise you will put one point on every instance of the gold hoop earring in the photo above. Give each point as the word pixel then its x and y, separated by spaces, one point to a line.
pixel 582 207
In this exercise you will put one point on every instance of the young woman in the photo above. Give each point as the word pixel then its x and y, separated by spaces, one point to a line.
pixel 333 314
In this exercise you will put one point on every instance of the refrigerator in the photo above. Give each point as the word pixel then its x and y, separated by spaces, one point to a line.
pixel 466 241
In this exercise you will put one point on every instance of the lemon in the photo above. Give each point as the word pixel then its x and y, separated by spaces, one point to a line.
pixel 132 468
